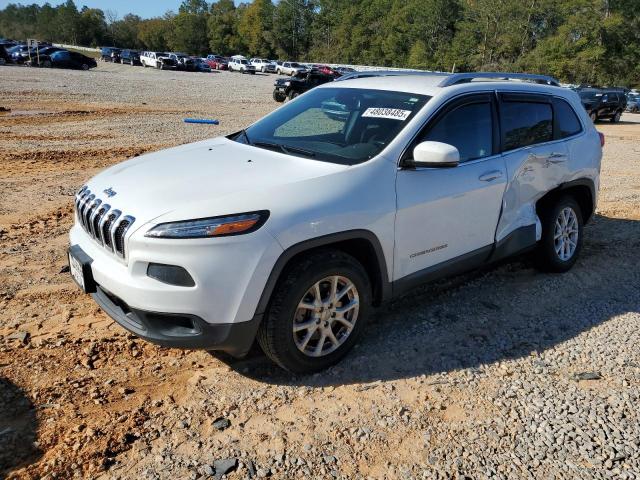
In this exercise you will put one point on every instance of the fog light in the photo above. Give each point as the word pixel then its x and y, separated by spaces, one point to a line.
pixel 170 274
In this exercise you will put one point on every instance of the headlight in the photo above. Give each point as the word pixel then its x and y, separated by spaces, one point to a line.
pixel 287 83
pixel 227 225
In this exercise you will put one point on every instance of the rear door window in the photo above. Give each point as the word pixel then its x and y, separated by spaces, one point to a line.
pixel 525 123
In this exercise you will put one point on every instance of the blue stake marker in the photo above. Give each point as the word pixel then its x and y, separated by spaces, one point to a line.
pixel 201 120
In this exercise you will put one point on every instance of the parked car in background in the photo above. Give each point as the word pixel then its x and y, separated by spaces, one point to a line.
pixel 263 65
pixel 183 61
pixel 290 88
pixel 20 53
pixel 344 70
pixel 131 57
pixel 633 102
pixel 290 68
pixel 110 54
pixel 328 70
pixel 217 62
pixel 4 56
pixel 602 103
pixel 66 59
pixel 201 65
pixel 41 57
pixel 241 65
pixel 159 60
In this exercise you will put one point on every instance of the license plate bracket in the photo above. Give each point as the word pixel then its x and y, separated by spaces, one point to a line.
pixel 80 269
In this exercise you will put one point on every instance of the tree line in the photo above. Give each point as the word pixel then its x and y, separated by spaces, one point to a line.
pixel 577 41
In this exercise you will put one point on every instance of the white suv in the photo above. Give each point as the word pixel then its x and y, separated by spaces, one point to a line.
pixel 263 65
pixel 292 229
pixel 241 65
pixel 290 68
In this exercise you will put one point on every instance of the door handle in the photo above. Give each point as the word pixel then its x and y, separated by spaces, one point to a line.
pixel 490 176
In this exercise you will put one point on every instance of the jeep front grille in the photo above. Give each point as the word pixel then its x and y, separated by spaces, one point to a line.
pixel 106 226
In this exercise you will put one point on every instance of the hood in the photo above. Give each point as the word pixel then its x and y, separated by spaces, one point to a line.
pixel 208 178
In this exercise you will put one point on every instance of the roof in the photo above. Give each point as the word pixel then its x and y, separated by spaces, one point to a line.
pixel 431 83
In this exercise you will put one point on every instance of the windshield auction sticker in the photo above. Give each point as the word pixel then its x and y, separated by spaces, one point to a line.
pixel 392 113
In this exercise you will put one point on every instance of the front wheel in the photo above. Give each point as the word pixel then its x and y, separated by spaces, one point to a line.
pixel 561 242
pixel 317 312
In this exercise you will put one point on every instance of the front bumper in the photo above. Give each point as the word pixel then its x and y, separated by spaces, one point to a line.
pixel 229 273
pixel 179 330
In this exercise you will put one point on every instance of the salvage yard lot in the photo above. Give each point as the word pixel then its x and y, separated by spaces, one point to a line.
pixel 502 373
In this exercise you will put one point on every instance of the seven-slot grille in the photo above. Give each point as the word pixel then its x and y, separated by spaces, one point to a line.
pixel 106 226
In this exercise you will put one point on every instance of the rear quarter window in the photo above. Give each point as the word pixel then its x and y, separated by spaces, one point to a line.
pixel 566 119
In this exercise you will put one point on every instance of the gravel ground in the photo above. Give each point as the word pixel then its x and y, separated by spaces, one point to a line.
pixel 502 373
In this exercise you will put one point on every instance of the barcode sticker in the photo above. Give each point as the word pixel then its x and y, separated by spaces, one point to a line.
pixel 392 113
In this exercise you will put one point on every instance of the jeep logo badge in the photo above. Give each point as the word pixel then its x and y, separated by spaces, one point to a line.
pixel 109 192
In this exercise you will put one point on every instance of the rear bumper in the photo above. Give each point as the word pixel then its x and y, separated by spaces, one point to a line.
pixel 179 330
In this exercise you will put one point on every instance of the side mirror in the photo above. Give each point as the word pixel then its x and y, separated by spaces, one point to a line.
pixel 434 155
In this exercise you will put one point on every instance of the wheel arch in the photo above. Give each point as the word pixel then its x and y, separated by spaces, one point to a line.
pixel 582 189
pixel 363 245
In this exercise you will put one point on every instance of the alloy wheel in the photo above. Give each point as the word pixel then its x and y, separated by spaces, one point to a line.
pixel 326 316
pixel 565 235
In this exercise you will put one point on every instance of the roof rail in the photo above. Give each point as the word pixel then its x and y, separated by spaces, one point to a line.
pixel 456 78
pixel 387 73
pixel 449 79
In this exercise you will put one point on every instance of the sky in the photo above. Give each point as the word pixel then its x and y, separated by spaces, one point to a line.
pixel 144 8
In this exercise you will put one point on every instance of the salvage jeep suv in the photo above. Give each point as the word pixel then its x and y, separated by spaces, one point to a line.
pixel 290 230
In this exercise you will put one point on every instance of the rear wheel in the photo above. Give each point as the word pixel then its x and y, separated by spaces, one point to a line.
pixel 293 95
pixel 84 66
pixel 317 312
pixel 616 117
pixel 561 240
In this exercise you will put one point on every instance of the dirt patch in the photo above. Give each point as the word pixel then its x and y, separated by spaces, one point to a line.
pixel 468 378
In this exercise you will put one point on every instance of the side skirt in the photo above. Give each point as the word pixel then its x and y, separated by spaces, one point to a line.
pixel 518 241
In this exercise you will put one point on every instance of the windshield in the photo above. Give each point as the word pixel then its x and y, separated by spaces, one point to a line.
pixel 589 95
pixel 338 125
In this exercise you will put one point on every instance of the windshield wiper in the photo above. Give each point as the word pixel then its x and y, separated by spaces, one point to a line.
pixel 284 148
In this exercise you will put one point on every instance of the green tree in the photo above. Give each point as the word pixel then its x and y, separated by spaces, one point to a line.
pixel 293 28
pixel 222 27
pixel 126 31
pixel 154 33
pixel 189 33
pixel 92 28
pixel 255 28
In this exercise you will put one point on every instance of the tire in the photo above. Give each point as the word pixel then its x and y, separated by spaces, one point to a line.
pixel 276 334
pixel 616 117
pixel 46 64
pixel 593 116
pixel 548 258
pixel 279 97
pixel 293 95
pixel 84 67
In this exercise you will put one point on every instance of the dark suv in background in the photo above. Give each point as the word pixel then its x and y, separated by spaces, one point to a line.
pixel 132 57
pixel 110 54
pixel 298 84
pixel 603 103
